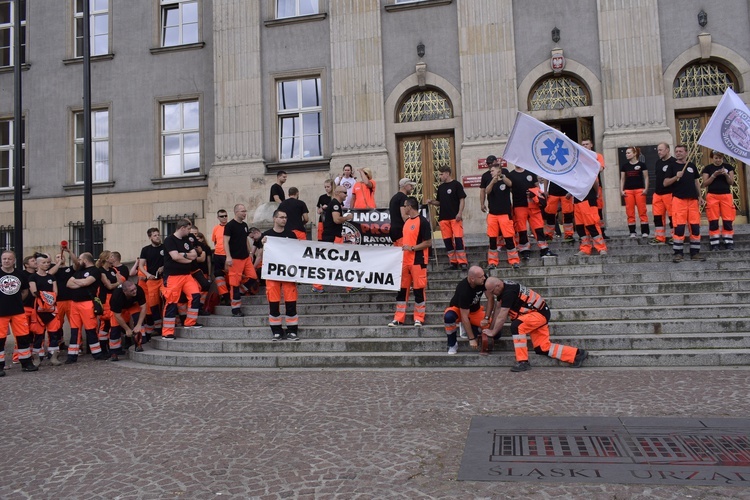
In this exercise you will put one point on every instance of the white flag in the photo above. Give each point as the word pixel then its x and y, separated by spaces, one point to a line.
pixel 550 154
pixel 728 130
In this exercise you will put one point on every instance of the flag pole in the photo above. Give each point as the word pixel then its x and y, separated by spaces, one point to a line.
pixel 17 134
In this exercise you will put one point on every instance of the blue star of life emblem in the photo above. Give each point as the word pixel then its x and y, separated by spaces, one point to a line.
pixel 553 154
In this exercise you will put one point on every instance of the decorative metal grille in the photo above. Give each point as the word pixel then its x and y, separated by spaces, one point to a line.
pixel 412 152
pixel 702 79
pixel 425 105
pixel 557 93
pixel 690 131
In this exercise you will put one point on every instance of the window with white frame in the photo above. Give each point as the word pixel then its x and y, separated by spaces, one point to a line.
pixel 7 169
pixel 78 237
pixel 180 138
pixel 295 8
pixel 99 146
pixel 7 31
pixel 99 27
pixel 179 22
pixel 300 115
pixel 7 238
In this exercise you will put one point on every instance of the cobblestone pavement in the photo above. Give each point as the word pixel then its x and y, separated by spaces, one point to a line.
pixel 103 430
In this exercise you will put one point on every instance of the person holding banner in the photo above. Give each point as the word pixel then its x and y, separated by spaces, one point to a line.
pixel 718 177
pixel 633 187
pixel 684 176
pixel 465 308
pixel 451 198
pixel 417 239
pixel 333 224
pixel 275 289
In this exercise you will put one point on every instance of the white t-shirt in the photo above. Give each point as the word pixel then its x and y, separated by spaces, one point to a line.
pixel 348 183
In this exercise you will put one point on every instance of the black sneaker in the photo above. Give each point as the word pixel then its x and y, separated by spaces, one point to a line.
pixel 168 337
pixel 139 349
pixel 464 267
pixel 451 267
pixel 292 336
pixel 114 357
pixel 677 258
pixel 521 366
pixel 203 313
pixel 581 356
pixel 276 336
pixel 491 266
pixel 729 246
pixel 2 373
pixel 238 314
pixel 549 253
pixel 698 257
pixel 196 326
pixel 31 367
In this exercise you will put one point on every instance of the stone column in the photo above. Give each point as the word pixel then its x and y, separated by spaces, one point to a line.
pixel 357 89
pixel 634 105
pixel 488 88
pixel 238 106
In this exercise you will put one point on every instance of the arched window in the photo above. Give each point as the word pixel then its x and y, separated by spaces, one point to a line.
pixel 558 92
pixel 703 79
pixel 425 105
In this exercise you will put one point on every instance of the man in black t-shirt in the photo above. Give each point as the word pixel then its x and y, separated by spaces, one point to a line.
pixel 465 309
pixel 661 202
pixel 14 288
pixel 683 176
pixel 405 187
pixel 451 198
pixel 276 289
pixel 500 216
pixel 239 265
pixel 84 286
pixel 529 315
pixel 277 191
pixel 179 254
pixel 718 178
pixel 128 301
pixel 296 212
pixel 150 268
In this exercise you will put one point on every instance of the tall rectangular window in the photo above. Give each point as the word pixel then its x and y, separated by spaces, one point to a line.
pixel 7 238
pixel 7 31
pixel 99 27
pixel 179 22
pixel 295 8
pixel 99 146
pixel 169 223
pixel 300 115
pixel 78 238
pixel 7 168
pixel 180 138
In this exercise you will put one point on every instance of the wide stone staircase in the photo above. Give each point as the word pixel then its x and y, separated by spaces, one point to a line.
pixel 631 308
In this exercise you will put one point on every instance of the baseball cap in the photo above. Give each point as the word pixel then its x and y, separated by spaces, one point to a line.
pixel 403 182
pixel 491 159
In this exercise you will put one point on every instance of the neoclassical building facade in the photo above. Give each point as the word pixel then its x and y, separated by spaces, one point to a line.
pixel 199 103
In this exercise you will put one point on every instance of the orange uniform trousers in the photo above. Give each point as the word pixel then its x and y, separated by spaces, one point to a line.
pixel 634 198
pixel 534 324
pixel 661 206
pixel 501 225
pixel 720 205
pixel 452 232
pixel 412 276
pixel 173 287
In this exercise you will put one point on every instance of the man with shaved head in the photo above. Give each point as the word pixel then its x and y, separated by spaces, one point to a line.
pixel 529 315
pixel 465 309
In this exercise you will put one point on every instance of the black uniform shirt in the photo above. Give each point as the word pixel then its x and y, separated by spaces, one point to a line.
pixel 12 286
pixel 522 182
pixel 238 233
pixel 467 297
pixel 449 195
pixel 684 188
pixel 182 245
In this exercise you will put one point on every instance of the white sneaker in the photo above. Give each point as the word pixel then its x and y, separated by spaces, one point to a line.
pixel 645 235
pixel 603 252
pixel 453 349
pixel 633 235
pixel 418 323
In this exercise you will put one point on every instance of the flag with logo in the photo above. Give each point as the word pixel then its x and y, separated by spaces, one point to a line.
pixel 550 154
pixel 728 130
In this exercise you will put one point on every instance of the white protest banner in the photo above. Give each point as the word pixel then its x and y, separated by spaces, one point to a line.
pixel 318 262
pixel 728 130
pixel 550 154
